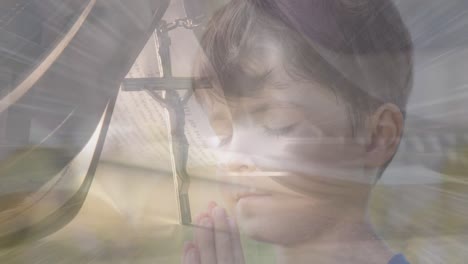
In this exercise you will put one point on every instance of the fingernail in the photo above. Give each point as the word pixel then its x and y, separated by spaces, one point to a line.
pixel 206 222
pixel 187 246
pixel 212 205
pixel 200 216
pixel 191 255
pixel 219 212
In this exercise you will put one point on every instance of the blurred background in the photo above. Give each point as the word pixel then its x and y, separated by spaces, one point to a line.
pixel 76 121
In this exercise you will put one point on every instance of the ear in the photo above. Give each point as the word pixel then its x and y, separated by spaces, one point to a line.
pixel 385 128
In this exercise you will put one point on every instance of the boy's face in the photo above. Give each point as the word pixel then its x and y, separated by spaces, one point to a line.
pixel 290 155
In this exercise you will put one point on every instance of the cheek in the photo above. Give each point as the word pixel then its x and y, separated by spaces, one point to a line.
pixel 310 154
pixel 329 151
pixel 283 221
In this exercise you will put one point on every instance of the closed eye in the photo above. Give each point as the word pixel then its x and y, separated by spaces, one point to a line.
pixel 223 141
pixel 280 131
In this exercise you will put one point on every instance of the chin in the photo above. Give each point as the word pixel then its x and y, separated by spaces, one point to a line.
pixel 277 221
pixel 258 231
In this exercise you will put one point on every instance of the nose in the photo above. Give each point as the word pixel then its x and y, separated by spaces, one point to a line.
pixel 237 162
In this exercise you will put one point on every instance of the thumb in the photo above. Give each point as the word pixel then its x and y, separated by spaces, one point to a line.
pixel 191 255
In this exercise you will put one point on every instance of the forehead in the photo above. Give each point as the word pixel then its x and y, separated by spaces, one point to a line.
pixel 305 97
pixel 262 76
pixel 279 97
pixel 261 54
pixel 266 75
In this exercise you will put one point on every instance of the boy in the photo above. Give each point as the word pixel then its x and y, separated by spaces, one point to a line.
pixel 310 94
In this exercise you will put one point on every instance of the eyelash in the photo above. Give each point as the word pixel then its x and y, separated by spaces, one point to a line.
pixel 271 132
pixel 280 131
pixel 224 141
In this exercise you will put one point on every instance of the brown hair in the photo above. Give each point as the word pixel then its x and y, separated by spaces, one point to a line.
pixel 359 49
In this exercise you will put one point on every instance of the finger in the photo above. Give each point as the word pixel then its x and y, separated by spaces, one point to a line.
pixel 223 242
pixel 200 217
pixel 211 206
pixel 236 242
pixel 207 213
pixel 187 246
pixel 191 255
pixel 205 241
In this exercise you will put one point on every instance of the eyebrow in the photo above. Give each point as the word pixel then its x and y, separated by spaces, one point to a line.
pixel 261 108
pixel 267 106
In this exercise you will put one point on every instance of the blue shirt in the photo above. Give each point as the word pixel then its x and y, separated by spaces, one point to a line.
pixel 398 259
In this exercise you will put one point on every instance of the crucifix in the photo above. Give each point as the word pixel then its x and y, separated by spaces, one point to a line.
pixel 165 90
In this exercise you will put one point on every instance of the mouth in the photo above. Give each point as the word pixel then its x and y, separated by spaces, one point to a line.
pixel 250 193
pixel 244 185
pixel 257 174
